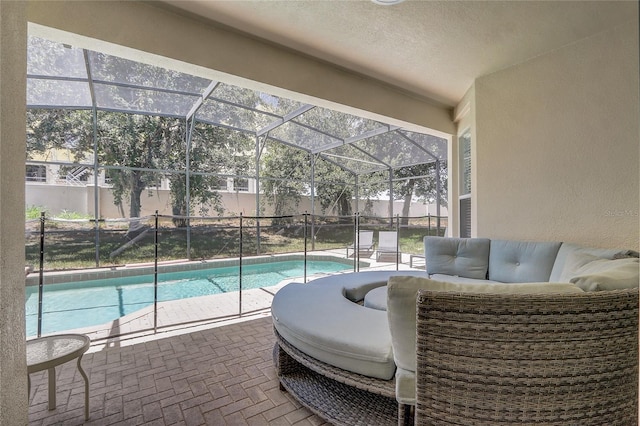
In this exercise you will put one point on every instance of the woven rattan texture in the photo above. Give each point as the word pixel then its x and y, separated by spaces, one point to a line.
pixel 527 359
pixel 339 396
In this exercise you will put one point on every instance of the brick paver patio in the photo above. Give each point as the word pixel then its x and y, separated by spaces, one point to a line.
pixel 217 376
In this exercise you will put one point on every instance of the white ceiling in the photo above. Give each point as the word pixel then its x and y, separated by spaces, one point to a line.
pixel 434 49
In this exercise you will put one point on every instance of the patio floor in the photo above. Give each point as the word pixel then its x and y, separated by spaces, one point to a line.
pixel 222 375
pixel 218 373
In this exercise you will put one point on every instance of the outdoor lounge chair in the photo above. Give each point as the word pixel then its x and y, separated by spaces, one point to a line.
pixel 387 243
pixel 365 243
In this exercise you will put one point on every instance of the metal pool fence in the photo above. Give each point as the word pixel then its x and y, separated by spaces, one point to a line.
pixel 57 249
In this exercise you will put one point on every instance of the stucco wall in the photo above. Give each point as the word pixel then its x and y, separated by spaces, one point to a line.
pixel 557 140
pixel 13 365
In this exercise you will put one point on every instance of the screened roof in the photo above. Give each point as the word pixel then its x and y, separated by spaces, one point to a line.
pixel 62 76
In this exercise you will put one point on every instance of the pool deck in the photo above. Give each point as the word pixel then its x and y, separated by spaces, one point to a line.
pixel 211 309
pixel 220 374
pixel 209 372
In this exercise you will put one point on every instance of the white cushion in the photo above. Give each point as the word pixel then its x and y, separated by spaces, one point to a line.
pixel 401 306
pixel 376 299
pixel 318 319
pixel 575 260
pixel 604 274
pixel 457 279
pixel 405 386
pixel 567 248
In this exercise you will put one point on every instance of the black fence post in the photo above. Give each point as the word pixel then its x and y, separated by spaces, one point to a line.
pixel 398 240
pixel 41 278
pixel 305 245
pixel 155 275
pixel 240 272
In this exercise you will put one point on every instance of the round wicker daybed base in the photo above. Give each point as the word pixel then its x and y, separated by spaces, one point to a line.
pixel 341 397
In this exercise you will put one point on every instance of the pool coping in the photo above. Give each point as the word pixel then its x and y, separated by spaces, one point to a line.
pixel 181 265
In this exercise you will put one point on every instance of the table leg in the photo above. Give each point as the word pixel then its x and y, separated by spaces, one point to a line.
pixel 52 388
pixel 86 389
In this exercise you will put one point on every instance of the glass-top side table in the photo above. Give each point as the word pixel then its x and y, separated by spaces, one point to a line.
pixel 45 353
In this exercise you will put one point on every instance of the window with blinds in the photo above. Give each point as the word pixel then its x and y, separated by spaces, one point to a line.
pixel 465 217
pixel 464 144
pixel 465 163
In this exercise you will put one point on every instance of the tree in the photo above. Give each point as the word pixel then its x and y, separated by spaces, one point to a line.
pixel 420 180
pixel 214 151
pixel 136 144
pixel 333 184
pixel 285 169
pixel 49 129
pixel 334 188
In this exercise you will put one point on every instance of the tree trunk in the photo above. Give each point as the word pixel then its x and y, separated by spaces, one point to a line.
pixel 344 206
pixel 407 201
pixel 136 190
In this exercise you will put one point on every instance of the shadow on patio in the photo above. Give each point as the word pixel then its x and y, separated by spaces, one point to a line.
pixel 217 376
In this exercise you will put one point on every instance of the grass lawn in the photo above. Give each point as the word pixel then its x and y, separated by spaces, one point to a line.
pixel 72 245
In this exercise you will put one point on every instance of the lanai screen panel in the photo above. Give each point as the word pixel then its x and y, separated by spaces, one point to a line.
pixel 142 101
pixel 48 58
pixel 58 94
pixel 108 68
pixel 394 150
pixel 58 78
pixel 433 144
pixel 237 108
pixel 57 75
pixel 303 137
pixel 336 123
pixel 354 160
pixel 124 85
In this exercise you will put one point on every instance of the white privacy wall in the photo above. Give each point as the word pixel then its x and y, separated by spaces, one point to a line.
pixel 557 144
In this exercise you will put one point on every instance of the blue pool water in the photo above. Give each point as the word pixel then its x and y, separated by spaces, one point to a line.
pixel 87 303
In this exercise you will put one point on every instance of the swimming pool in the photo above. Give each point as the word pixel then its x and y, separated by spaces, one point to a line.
pixel 88 303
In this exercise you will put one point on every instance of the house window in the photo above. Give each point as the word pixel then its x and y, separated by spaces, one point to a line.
pixel 36 173
pixel 221 184
pixel 465 163
pixel 464 144
pixel 241 185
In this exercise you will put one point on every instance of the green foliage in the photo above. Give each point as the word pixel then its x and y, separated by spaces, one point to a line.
pixel 71 215
pixel 33 212
pixel 137 143
pixel 214 151
pixel 49 129
pixel 139 151
pixel 285 169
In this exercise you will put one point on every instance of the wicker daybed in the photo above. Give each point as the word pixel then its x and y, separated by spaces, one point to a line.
pixel 527 359
pixel 337 395
pixel 524 351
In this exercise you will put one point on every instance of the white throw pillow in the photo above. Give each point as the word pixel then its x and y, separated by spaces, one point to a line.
pixel 575 261
pixel 401 306
pixel 605 274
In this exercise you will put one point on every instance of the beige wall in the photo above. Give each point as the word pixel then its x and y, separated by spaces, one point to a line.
pixel 557 142
pixel 13 365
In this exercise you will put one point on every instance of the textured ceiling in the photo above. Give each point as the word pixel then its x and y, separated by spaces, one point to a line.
pixel 434 49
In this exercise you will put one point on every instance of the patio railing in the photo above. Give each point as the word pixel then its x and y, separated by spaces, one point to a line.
pixel 129 265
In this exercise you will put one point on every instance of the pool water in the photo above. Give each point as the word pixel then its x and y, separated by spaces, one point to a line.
pixel 87 303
